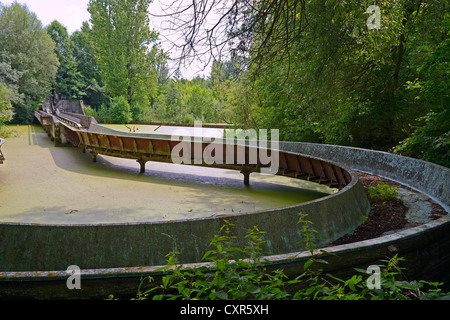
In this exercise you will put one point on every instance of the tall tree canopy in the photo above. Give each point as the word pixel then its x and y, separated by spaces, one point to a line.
pixel 69 82
pixel 83 53
pixel 28 62
pixel 326 71
pixel 345 83
pixel 125 48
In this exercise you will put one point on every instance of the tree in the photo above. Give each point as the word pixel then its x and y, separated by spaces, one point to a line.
pixel 169 102
pixel 124 48
pixel 83 53
pixel 21 33
pixel 69 82
pixel 319 72
pixel 342 82
pixel 9 78
pixel 430 139
pixel 259 31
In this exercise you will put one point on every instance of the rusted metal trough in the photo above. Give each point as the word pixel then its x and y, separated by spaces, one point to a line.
pixel 84 132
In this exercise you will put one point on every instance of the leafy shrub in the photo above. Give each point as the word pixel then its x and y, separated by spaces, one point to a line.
pixel 139 111
pixel 188 118
pixel 232 276
pixel 120 110
pixel 384 192
pixel 89 111
pixel 431 141
pixel 6 110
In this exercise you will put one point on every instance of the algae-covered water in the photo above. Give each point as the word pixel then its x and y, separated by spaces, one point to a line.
pixel 40 183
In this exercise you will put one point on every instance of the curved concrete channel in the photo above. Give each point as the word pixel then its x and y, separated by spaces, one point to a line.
pixel 426 247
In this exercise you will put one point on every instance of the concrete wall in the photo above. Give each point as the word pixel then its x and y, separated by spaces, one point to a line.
pixel 29 247
pixel 73 106
pixel 428 178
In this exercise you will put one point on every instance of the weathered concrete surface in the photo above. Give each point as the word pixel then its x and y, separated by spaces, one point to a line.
pixel 53 103
pixel 419 206
pixel 426 177
pixel 427 247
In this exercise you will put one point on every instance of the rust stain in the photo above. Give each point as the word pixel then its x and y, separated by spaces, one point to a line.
pixel 52 274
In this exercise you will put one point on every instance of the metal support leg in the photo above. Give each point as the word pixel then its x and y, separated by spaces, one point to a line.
pixel 246 172
pixel 94 156
pixel 142 163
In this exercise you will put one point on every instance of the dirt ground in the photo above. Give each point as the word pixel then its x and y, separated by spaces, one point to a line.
pixel 384 217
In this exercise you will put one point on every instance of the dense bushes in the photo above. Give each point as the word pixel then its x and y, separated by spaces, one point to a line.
pixel 238 273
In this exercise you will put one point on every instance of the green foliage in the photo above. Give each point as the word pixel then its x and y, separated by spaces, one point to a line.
pixel 139 111
pixel 430 139
pixel 392 286
pixel 91 112
pixel 125 48
pixel 383 192
pixel 312 69
pixel 330 79
pixel 69 80
pixel 346 84
pixel 236 273
pixel 29 76
pixel 230 277
pixel 6 111
pixel 217 99
pixel 103 114
pixel 120 111
pixel 83 54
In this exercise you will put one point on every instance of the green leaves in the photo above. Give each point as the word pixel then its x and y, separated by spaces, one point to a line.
pixel 6 111
pixel 232 275
pixel 69 81
pixel 347 84
pixel 124 48
pixel 120 111
pixel 29 76
pixel 383 192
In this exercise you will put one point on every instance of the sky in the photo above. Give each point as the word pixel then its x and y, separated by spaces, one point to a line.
pixel 72 13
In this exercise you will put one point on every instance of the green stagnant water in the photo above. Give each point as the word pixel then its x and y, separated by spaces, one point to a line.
pixel 43 184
